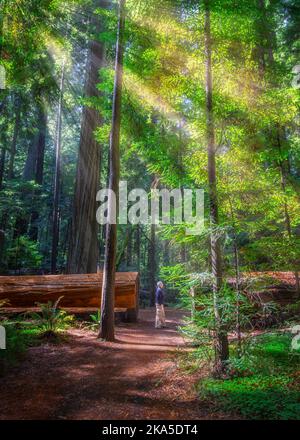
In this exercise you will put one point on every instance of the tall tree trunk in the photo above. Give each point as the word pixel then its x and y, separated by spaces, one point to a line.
pixel 287 218
pixel 3 140
pixel 2 243
pixel 34 165
pixel 183 253
pixel 152 264
pixel 152 251
pixel 15 138
pixel 237 277
pixel 55 219
pixel 84 247
pixel 107 330
pixel 123 248
pixel 129 249
pixel 38 169
pixel 166 252
pixel 33 170
pixel 221 339
pixel 2 165
pixel 267 39
pixel 138 248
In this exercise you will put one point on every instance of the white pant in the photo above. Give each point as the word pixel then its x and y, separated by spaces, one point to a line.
pixel 160 319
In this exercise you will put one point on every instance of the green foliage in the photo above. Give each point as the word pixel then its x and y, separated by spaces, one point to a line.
pixel 23 252
pixel 200 328
pixel 19 336
pixel 95 318
pixel 247 310
pixel 51 319
pixel 264 383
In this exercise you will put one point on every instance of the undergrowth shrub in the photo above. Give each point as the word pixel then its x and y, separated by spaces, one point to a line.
pixel 264 383
pixel 51 320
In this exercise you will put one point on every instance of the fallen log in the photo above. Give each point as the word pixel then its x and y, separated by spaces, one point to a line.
pixel 78 291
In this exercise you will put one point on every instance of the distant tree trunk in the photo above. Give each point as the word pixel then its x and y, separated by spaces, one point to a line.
pixel 2 242
pixel 39 171
pixel 33 170
pixel 129 249
pixel 287 218
pixel 166 254
pixel 15 138
pixel 138 248
pixel 38 168
pixel 3 140
pixel 152 251
pixel 55 219
pixel 221 339
pixel 267 40
pixel 83 250
pixel 183 252
pixel 152 264
pixel 123 247
pixel 237 277
pixel 2 165
pixel 107 330
pixel 34 165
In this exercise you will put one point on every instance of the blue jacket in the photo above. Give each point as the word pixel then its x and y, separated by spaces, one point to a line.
pixel 159 296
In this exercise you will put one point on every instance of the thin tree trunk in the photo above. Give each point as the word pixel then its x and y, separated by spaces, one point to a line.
pixel 152 264
pixel 287 218
pixel 183 253
pixel 33 170
pixel 238 293
pixel 30 163
pixel 138 248
pixel 193 304
pixel 83 252
pixel 107 330
pixel 129 249
pixel 39 169
pixel 3 103
pixel 237 277
pixel 14 139
pixel 152 251
pixel 267 40
pixel 123 248
pixel 2 165
pixel 2 244
pixel 166 252
pixel 221 339
pixel 55 219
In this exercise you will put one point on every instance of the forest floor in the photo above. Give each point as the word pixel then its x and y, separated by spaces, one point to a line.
pixel 83 378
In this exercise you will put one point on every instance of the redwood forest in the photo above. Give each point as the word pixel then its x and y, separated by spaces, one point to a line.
pixel 150 211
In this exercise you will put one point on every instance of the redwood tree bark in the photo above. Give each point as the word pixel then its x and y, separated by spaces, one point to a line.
pixel 221 339
pixel 55 219
pixel 15 138
pixel 83 249
pixel 33 170
pixel 39 155
pixel 107 328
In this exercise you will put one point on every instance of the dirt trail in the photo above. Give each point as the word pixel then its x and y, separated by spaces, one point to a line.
pixel 84 378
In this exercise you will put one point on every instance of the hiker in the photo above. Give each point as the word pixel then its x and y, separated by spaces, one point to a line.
pixel 160 319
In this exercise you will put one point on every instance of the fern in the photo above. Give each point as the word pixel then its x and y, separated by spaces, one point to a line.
pixel 51 319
